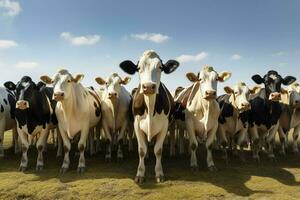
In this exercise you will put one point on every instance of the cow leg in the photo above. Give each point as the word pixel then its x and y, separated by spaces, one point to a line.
pixel 130 136
pixel 59 143
pixel 181 140
pixel 142 149
pixel 81 147
pixel 295 139
pixel 270 142
pixel 209 145
pixel 193 144
pixel 41 145
pixel 16 143
pixel 25 147
pixel 242 140
pixel 97 134
pixel 91 141
pixel 221 135
pixel 254 142
pixel 283 140
pixel 120 141
pixel 2 129
pixel 67 148
pixel 158 149
pixel 172 138
pixel 109 141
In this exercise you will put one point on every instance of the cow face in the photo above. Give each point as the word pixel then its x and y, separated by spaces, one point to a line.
pixel 26 91
pixel 208 79
pixel 113 85
pixel 272 81
pixel 293 92
pixel 62 82
pixel 149 68
pixel 240 95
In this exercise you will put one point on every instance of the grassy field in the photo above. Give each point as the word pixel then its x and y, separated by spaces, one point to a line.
pixel 114 180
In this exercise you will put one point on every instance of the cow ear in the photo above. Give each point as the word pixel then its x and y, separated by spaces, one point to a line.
pixel 257 79
pixel 288 80
pixel 255 89
pixel 125 80
pixel 40 84
pixel 192 77
pixel 100 81
pixel 46 79
pixel 128 66
pixel 170 66
pixel 223 76
pixel 228 90
pixel 78 78
pixel 10 85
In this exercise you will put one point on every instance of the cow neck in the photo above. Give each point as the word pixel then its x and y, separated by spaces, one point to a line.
pixel 150 104
pixel 72 104
pixel 236 111
pixel 114 106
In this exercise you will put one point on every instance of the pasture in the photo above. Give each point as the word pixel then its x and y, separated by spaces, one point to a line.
pixel 114 180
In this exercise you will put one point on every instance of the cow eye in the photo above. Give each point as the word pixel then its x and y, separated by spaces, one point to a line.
pixel 69 81
pixel 236 92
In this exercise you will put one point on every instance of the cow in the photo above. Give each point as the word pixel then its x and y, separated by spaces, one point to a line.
pixel 233 120
pixel 290 117
pixel 78 110
pixel 34 113
pixel 7 118
pixel 115 108
pixel 202 111
pixel 266 111
pixel 152 107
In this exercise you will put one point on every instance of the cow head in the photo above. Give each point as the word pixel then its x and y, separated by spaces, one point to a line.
pixel 62 82
pixel 149 68
pixel 26 91
pixel 208 79
pixel 293 92
pixel 113 85
pixel 272 81
pixel 240 95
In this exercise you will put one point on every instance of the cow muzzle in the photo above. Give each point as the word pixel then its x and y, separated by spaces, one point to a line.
pixel 149 88
pixel 22 105
pixel 244 107
pixel 275 96
pixel 58 96
pixel 112 95
pixel 210 94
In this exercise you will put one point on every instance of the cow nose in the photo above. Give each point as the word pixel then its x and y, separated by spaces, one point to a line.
pixel 275 96
pixel 21 104
pixel 58 96
pixel 112 95
pixel 245 105
pixel 210 93
pixel 149 88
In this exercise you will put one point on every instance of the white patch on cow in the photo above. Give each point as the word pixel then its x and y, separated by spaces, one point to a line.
pixel 273 76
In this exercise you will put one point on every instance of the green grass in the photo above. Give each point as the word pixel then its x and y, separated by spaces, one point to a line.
pixel 115 180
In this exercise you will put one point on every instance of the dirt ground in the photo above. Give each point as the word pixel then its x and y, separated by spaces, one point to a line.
pixel 114 180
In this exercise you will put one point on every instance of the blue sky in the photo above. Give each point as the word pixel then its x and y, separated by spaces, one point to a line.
pixel 94 36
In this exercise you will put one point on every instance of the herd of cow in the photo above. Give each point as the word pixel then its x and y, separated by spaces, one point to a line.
pixel 240 117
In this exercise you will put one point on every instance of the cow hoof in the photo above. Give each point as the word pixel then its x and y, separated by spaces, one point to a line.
pixel 107 159
pixel 194 168
pixel 139 179
pixel 160 179
pixel 273 159
pixel 282 153
pixel 39 168
pixel 22 169
pixel 257 160
pixel 80 170
pixel 120 158
pixel 212 168
pixel 63 170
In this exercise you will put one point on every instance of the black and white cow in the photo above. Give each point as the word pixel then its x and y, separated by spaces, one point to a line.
pixel 7 117
pixel 290 117
pixel 233 119
pixel 152 106
pixel 34 115
pixel 265 111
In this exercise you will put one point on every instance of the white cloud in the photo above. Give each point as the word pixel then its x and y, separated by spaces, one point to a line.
pixel 81 40
pixel 153 37
pixel 236 57
pixel 27 65
pixel 5 44
pixel 188 58
pixel 279 53
pixel 11 8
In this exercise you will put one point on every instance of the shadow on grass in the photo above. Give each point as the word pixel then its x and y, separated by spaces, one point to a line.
pixel 232 177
